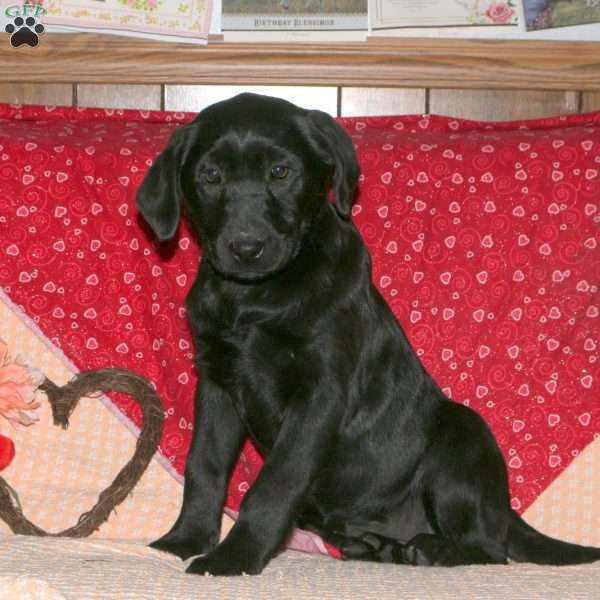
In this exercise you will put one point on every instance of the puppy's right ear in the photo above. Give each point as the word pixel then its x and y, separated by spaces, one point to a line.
pixel 159 197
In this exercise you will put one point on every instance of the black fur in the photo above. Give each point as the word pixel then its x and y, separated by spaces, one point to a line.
pixel 296 348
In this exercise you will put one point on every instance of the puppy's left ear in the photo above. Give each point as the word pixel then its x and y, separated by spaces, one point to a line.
pixel 333 145
pixel 159 197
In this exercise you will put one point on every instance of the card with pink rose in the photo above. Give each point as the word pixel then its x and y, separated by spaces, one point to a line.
pixel 384 14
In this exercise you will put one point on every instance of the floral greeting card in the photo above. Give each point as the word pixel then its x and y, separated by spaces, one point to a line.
pixel 441 13
pixel 546 14
pixel 160 18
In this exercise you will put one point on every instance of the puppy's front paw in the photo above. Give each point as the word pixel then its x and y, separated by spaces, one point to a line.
pixel 224 563
pixel 182 546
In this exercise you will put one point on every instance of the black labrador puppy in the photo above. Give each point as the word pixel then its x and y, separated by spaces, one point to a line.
pixel 297 349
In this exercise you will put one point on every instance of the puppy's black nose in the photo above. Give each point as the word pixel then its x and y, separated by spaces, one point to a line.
pixel 246 249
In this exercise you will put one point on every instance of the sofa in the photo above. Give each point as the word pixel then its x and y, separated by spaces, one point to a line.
pixel 485 240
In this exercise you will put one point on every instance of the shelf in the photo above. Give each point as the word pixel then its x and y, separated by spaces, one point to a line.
pixel 378 62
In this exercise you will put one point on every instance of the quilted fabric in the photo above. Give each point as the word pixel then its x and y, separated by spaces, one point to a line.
pixel 485 242
pixel 117 570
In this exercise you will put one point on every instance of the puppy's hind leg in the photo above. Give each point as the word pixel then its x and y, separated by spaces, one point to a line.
pixel 363 545
pixel 423 550
pixel 465 494
pixel 463 540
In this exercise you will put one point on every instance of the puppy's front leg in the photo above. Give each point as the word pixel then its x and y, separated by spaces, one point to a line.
pixel 218 436
pixel 269 509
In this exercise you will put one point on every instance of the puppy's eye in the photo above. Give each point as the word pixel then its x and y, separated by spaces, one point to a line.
pixel 279 171
pixel 212 175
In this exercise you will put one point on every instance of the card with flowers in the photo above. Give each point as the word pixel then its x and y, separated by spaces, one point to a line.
pixel 182 20
pixel 385 14
pixel 547 14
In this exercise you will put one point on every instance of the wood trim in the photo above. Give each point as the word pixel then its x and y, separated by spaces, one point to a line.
pixel 361 102
pixel 194 98
pixel 502 105
pixel 464 64
pixel 37 93
pixel 141 97
pixel 590 101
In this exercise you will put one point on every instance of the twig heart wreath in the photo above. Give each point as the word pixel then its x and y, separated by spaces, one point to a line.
pixel 63 401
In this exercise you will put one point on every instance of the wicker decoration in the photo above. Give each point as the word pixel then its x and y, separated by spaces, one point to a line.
pixel 63 401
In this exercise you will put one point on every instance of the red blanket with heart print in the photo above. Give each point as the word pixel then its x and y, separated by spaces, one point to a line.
pixel 485 241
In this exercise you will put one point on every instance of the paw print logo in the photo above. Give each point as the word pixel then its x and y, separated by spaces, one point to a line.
pixel 24 31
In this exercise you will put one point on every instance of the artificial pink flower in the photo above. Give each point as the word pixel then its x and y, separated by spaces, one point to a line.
pixel 18 387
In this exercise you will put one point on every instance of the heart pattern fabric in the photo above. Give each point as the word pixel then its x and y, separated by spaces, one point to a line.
pixel 485 241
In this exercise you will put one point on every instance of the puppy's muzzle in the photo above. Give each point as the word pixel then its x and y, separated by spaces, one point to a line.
pixel 246 249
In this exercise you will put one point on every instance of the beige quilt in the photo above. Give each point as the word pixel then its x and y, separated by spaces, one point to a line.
pixel 101 570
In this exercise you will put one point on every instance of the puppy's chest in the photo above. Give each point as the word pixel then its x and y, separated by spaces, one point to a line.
pixel 233 355
pixel 259 368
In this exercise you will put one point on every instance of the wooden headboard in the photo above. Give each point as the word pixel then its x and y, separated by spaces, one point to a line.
pixel 491 79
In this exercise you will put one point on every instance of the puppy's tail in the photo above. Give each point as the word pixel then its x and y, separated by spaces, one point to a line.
pixel 526 544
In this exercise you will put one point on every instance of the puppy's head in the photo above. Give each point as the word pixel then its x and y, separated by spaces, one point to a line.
pixel 252 173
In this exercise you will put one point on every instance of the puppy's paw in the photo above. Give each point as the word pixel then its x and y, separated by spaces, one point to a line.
pixel 223 563
pixel 431 551
pixel 182 546
pixel 371 547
